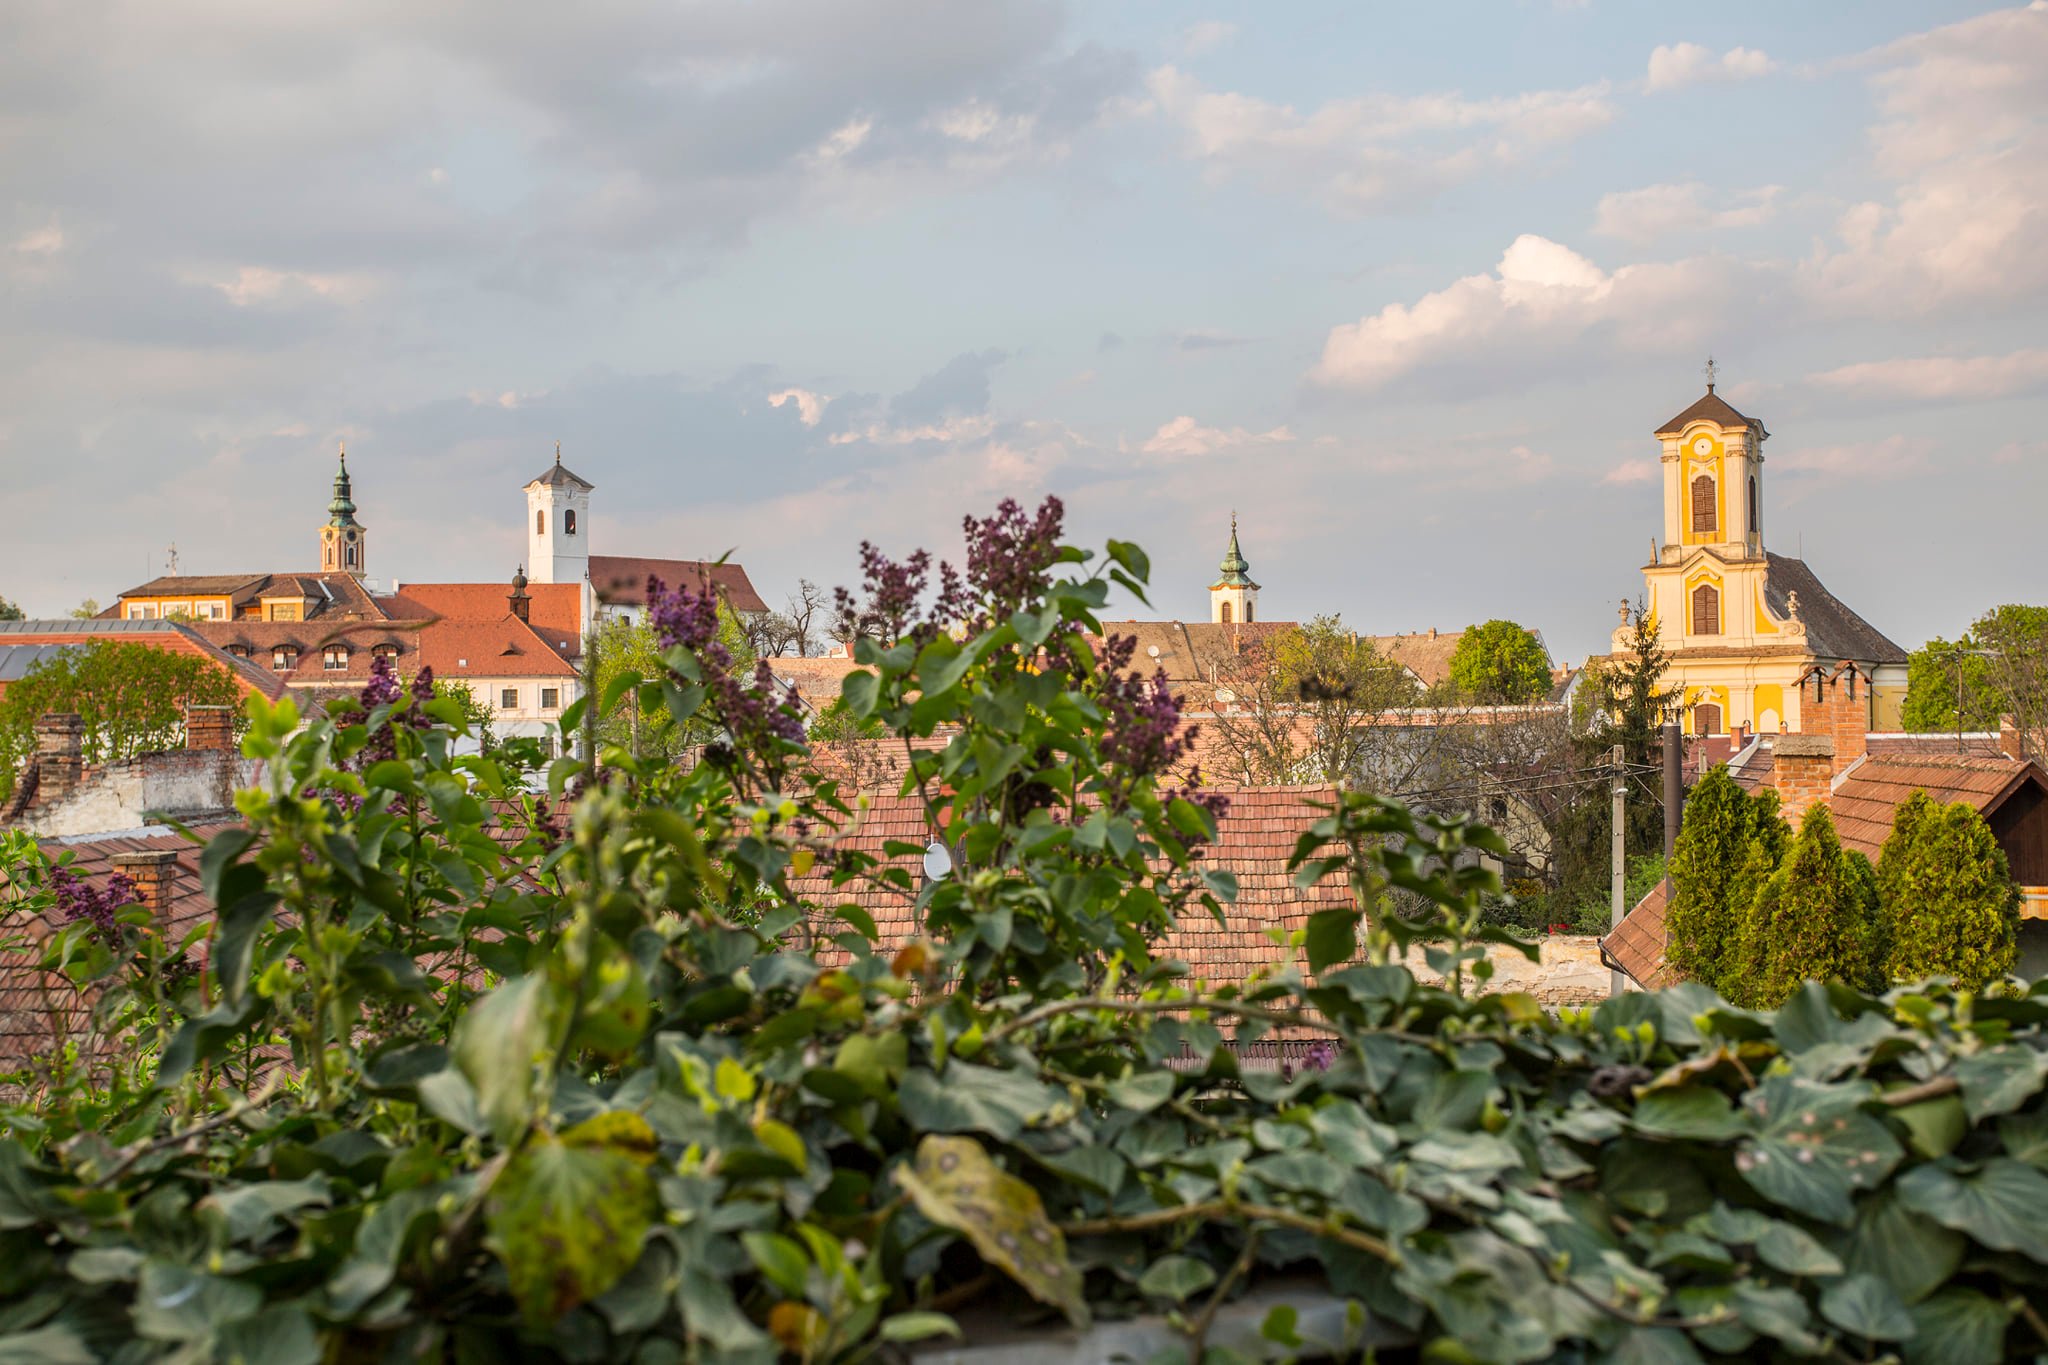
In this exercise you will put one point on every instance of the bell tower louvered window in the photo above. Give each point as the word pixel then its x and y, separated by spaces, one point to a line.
pixel 1706 610
pixel 1703 518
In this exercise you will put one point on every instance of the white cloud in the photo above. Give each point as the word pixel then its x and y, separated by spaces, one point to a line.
pixel 1206 36
pixel 1185 436
pixel 1370 150
pixel 1673 66
pixel 1965 140
pixel 47 240
pixel 1894 457
pixel 1540 299
pixel 1631 471
pixel 809 406
pixel 1938 379
pixel 509 399
pixel 1656 211
pixel 966 427
pixel 252 285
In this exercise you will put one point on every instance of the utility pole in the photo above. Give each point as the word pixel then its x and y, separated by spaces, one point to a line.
pixel 1618 886
pixel 1674 786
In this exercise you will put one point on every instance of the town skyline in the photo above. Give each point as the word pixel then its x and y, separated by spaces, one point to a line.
pixel 1414 322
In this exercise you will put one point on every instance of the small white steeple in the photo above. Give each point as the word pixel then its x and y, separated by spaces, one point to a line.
pixel 1233 597
pixel 558 525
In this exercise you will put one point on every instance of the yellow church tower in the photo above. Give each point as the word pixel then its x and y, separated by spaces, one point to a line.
pixel 1742 624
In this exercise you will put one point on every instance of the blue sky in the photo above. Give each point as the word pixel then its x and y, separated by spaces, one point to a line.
pixel 1406 286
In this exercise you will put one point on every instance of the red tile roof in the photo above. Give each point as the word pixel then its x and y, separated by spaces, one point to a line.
pixel 553 607
pixel 1867 796
pixel 622 580
pixel 178 637
pixel 505 648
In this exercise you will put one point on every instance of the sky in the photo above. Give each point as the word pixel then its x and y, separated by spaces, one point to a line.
pixel 1406 287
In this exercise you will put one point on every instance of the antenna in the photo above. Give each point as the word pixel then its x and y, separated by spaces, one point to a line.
pixel 173 552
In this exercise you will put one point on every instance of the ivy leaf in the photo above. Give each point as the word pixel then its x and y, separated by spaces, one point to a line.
pixel 1817 1147
pixel 281 1334
pixel 1912 1254
pixel 1867 1307
pixel 2004 1205
pixel 1143 1091
pixel 1176 1278
pixel 2000 1080
pixel 1330 938
pixel 955 1185
pixel 1694 1112
pixel 976 1099
pixel 53 1344
pixel 1958 1327
pixel 568 1215
pixel 1791 1249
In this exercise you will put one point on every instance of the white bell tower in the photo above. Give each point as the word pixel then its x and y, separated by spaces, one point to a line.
pixel 558 525
pixel 1233 598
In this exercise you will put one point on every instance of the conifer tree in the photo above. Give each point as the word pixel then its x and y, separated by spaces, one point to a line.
pixel 1763 853
pixel 1703 919
pixel 1949 899
pixel 1814 917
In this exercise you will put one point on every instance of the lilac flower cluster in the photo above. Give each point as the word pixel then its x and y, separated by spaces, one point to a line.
pixel 383 689
pixel 890 609
pixel 1214 802
pixel 1320 1056
pixel 755 716
pixel 1142 733
pixel 1008 557
pixel 79 899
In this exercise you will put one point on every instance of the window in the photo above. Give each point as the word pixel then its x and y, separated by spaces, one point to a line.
pixel 550 698
pixel 1226 614
pixel 384 651
pixel 216 611
pixel 1703 503
pixel 1756 526
pixel 540 522
pixel 1706 610
pixel 1706 719
pixel 508 699
pixel 140 611
pixel 334 656
pixel 569 522
pixel 284 658
pixel 1248 612
pixel 351 556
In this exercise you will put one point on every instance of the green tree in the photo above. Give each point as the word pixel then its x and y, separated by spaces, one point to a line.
pixel 640 725
pixel 476 712
pixel 10 612
pixel 1500 664
pixel 131 698
pixel 86 610
pixel 1814 920
pixel 2001 663
pixel 1949 901
pixel 1704 918
pixel 1761 855
pixel 1932 684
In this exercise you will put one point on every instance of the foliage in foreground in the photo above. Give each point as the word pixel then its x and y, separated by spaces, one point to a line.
pixel 646 1087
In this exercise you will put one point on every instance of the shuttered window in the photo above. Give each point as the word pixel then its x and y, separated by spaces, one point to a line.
pixel 1706 611
pixel 1703 503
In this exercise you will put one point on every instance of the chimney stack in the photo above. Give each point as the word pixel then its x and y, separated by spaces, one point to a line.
pixel 60 754
pixel 2011 742
pixel 1837 705
pixel 209 727
pixel 1803 771
pixel 522 604
pixel 153 872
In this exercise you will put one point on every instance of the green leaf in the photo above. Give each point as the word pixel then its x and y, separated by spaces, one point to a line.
pixel 1176 1278
pixel 954 1184
pixel 2003 1205
pixel 875 1061
pixel 780 1259
pixel 567 1219
pixel 1331 937
pixel 281 1334
pixel 1958 1327
pixel 1130 558
pixel 1790 1249
pixel 1912 1254
pixel 53 1344
pixel 1934 1127
pixel 2000 1079
pixel 1143 1091
pixel 919 1327
pixel 177 1303
pixel 501 1043
pixel 380 1241
pixel 1866 1306
pixel 858 693
pixel 1816 1147
pixel 977 1099
pixel 1695 1112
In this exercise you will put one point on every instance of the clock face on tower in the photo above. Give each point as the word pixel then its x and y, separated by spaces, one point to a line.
pixel 1703 447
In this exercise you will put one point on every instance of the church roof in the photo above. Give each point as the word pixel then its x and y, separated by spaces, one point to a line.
pixel 1711 408
pixel 1234 568
pixel 559 477
pixel 1833 631
pixel 621 580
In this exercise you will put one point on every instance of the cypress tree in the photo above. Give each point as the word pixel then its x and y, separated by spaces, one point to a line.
pixel 1762 854
pixel 1814 916
pixel 1948 895
pixel 1702 920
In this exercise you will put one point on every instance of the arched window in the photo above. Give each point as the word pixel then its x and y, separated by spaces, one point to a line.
pixel 1703 503
pixel 1756 525
pixel 351 556
pixel 1706 610
pixel 569 522
pixel 1225 618
pixel 1248 612
pixel 1706 719
pixel 540 522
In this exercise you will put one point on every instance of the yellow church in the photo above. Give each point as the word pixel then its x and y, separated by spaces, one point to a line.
pixel 1742 624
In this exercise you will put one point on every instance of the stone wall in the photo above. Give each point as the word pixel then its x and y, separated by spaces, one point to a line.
pixel 185 783
pixel 1571 972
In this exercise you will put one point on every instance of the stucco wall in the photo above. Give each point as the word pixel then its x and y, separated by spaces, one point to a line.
pixel 182 783
pixel 1570 973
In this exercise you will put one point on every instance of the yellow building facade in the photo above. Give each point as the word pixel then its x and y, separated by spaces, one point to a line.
pixel 1743 624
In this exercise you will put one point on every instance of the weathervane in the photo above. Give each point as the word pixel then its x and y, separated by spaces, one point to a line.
pixel 1712 370
pixel 173 552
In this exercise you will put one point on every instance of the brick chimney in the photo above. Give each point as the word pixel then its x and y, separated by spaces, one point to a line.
pixel 1837 704
pixel 60 755
pixel 2011 742
pixel 209 727
pixel 153 871
pixel 1803 771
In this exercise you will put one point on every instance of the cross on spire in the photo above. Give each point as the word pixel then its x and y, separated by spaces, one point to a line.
pixel 558 452
pixel 1711 370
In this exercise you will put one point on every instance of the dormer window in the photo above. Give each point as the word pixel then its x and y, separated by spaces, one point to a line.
pixel 384 651
pixel 284 658
pixel 334 657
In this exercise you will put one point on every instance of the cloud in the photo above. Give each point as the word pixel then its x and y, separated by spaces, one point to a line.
pixel 1206 339
pixel 1940 379
pixel 1964 140
pixel 1674 66
pixel 1109 341
pixel 1655 211
pixel 960 386
pixel 1534 309
pixel 809 406
pixel 1370 152
pixel 1186 436
pixel 1895 457
pixel 1205 36
pixel 1631 472
pixel 47 240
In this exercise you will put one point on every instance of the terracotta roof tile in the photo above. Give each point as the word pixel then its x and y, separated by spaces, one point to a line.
pixel 552 607
pixel 622 580
pixel 1867 796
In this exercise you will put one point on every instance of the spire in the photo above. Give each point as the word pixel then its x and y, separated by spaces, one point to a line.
pixel 1235 570
pixel 342 511
pixel 522 603
pixel 558 444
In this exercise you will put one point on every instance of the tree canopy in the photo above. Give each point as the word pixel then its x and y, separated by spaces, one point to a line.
pixel 1950 905
pixel 1500 664
pixel 10 612
pixel 131 698
pixel 2001 663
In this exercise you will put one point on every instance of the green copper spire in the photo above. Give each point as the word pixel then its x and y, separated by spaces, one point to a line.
pixel 342 511
pixel 1235 569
